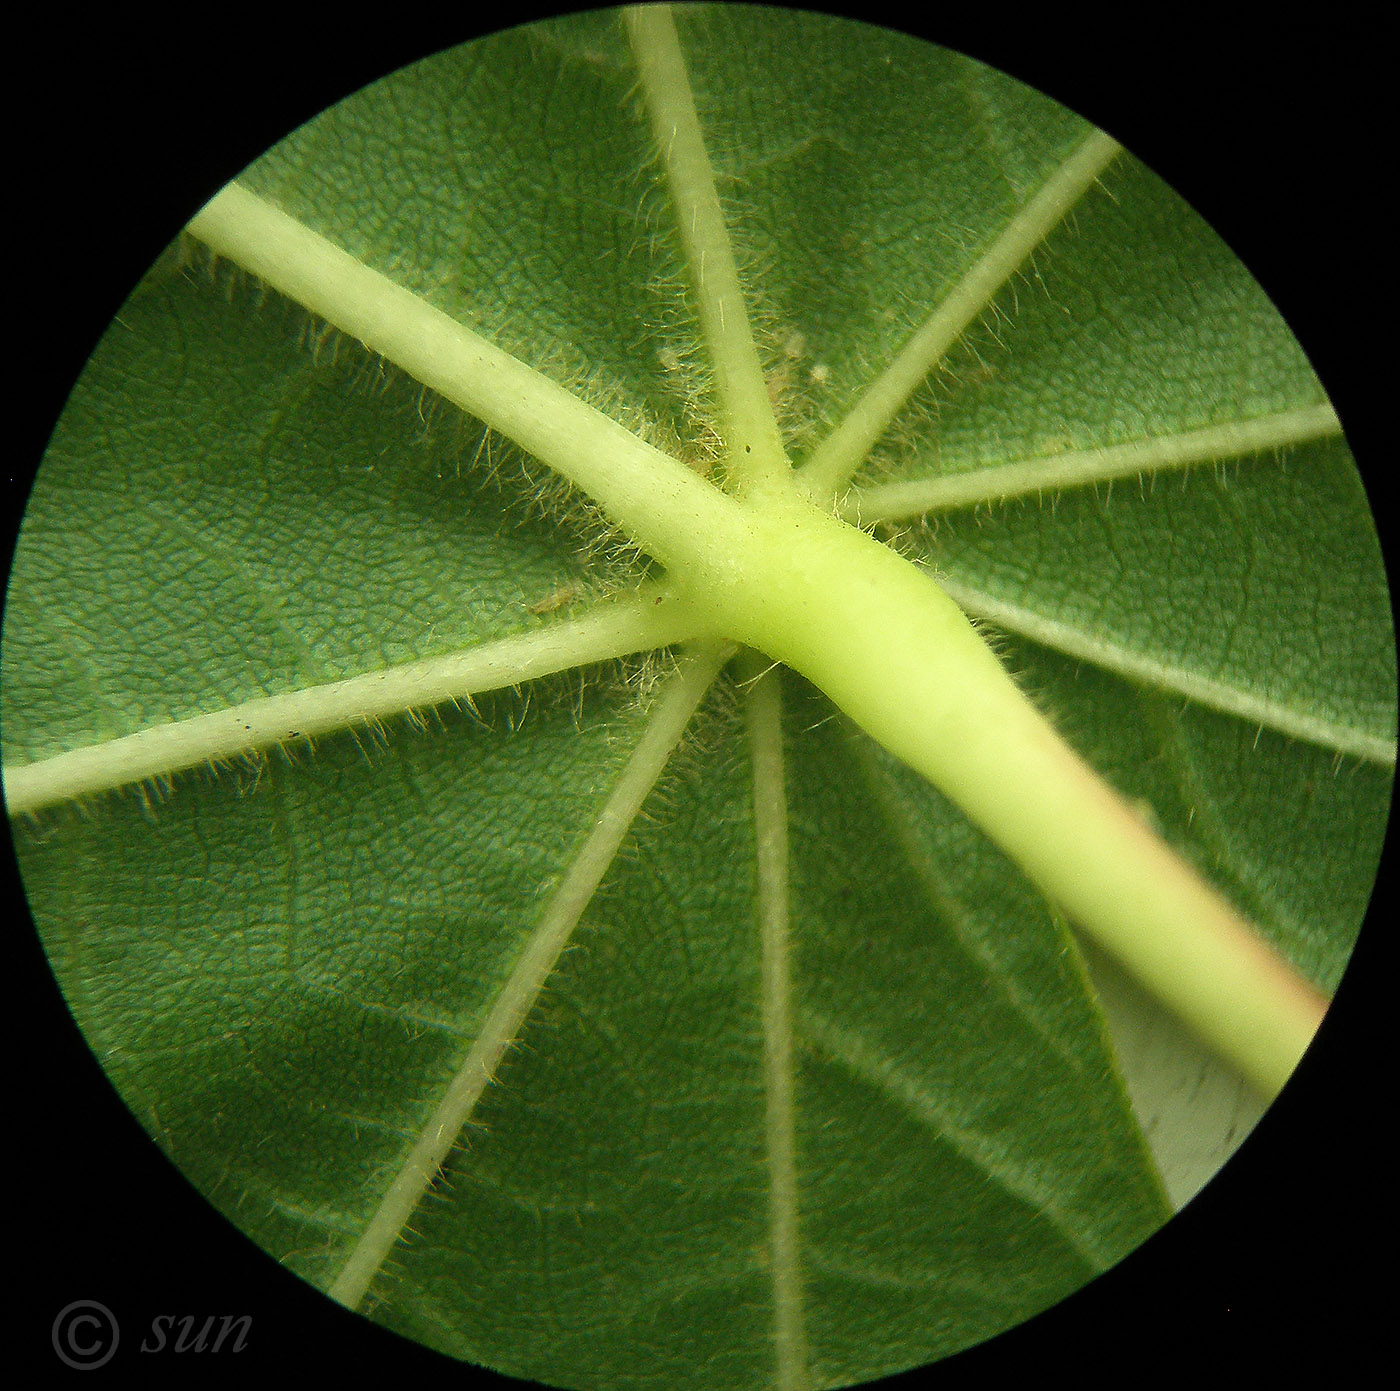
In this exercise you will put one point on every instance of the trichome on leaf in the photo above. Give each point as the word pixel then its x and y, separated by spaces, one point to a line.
pixel 674 1029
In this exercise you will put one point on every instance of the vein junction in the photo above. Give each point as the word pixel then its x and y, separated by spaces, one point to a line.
pixel 678 517
pixel 781 574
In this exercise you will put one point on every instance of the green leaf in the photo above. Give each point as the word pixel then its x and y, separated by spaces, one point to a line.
pixel 283 963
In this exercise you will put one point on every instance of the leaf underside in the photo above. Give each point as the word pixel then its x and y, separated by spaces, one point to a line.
pixel 282 964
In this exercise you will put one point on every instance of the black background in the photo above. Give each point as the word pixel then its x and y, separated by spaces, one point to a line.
pixel 1276 136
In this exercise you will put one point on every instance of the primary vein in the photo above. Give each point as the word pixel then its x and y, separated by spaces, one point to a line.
pixel 614 628
pixel 656 499
pixel 1219 695
pixel 749 429
pixel 835 460
pixel 665 726
pixel 763 702
pixel 888 502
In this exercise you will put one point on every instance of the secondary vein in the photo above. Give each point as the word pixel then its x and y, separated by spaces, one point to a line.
pixel 763 707
pixel 1083 468
pixel 665 726
pixel 836 459
pixel 613 628
pixel 1219 695
pixel 749 429
pixel 656 499
pixel 992 1155
pixel 902 825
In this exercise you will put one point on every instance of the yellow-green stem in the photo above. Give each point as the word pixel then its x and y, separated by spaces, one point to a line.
pixel 893 651
pixel 879 637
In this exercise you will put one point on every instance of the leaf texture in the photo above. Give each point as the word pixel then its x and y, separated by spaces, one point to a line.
pixel 283 963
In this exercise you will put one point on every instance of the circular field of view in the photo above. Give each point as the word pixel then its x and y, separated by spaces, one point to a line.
pixel 698 699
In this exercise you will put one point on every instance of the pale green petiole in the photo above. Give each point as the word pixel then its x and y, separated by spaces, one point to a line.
pixel 879 637
pixel 898 655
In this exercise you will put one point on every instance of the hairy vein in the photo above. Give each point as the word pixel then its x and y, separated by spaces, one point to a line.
pixel 749 429
pixel 763 708
pixel 665 726
pixel 1086 467
pixel 651 618
pixel 1218 695
pixel 988 1153
pixel 656 499
pixel 833 463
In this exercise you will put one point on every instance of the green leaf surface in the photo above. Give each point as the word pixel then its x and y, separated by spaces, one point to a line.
pixel 284 962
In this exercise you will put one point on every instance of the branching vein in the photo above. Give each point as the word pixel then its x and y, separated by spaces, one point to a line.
pixel 1084 468
pixel 749 428
pixel 763 703
pixel 665 726
pixel 614 628
pixel 834 462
